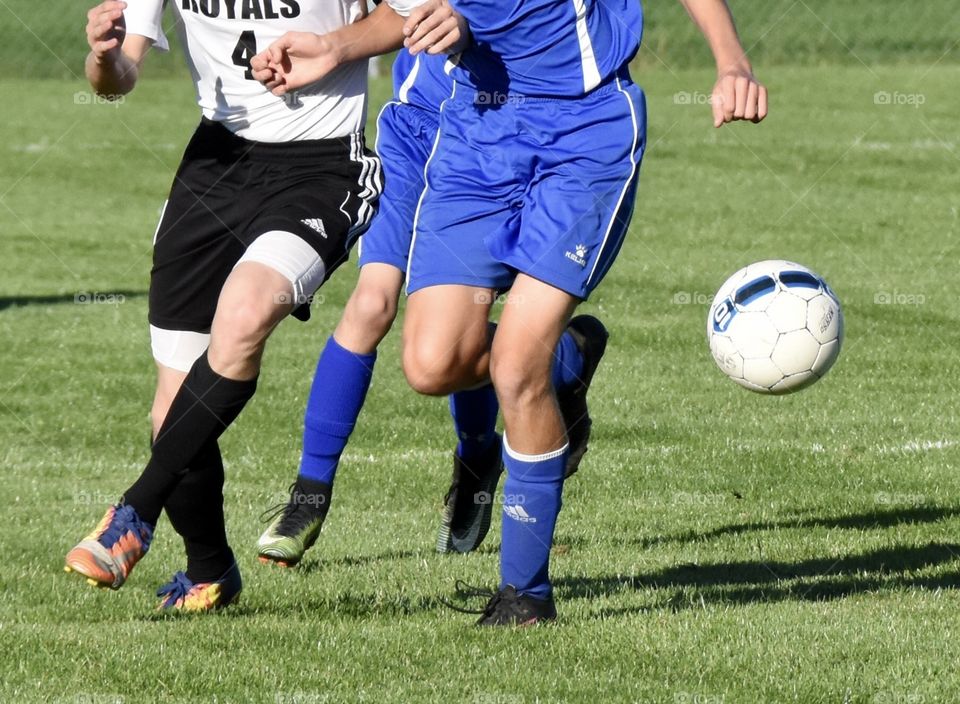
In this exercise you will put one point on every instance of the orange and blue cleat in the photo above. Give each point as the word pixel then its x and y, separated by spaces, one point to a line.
pixel 182 594
pixel 110 552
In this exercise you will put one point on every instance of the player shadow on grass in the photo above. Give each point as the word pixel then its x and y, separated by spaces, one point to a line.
pixel 79 298
pixel 323 563
pixel 767 581
pixel 860 521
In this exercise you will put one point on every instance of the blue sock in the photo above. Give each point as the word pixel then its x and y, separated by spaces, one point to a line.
pixel 567 362
pixel 531 502
pixel 475 419
pixel 339 388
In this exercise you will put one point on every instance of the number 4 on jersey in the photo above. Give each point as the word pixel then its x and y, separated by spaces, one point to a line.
pixel 245 50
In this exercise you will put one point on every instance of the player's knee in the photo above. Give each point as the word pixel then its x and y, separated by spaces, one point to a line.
pixel 242 326
pixel 518 379
pixel 372 310
pixel 433 367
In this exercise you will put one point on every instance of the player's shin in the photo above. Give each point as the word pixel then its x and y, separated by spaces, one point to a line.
pixel 531 503
pixel 205 406
pixel 340 386
pixel 474 414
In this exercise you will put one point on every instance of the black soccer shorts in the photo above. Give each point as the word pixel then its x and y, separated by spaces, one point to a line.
pixel 229 191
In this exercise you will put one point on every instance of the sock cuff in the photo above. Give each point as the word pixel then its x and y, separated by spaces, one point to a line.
pixel 365 359
pixel 520 457
pixel 314 422
pixel 203 371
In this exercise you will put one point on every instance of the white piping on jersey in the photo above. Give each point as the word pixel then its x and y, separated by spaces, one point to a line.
pixel 426 187
pixel 409 81
pixel 626 186
pixel 591 73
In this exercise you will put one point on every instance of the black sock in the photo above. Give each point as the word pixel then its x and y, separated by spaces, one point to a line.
pixel 203 408
pixel 195 510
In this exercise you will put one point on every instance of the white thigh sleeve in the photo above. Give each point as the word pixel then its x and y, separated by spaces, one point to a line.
pixel 177 349
pixel 290 256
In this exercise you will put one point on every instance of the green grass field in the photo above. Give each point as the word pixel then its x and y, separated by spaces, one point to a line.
pixel 717 546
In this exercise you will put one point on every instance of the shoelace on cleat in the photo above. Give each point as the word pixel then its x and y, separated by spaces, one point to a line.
pixel 294 519
pixel 124 519
pixel 468 591
pixel 176 590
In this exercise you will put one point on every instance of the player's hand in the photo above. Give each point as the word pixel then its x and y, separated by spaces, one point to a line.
pixel 106 30
pixel 295 60
pixel 738 95
pixel 436 28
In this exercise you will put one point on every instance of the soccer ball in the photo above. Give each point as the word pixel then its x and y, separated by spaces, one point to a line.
pixel 775 327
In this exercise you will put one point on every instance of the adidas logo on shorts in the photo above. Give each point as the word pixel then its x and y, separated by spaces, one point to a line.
pixel 316 224
pixel 518 514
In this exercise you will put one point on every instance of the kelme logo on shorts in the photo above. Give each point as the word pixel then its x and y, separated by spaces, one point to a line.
pixel 579 255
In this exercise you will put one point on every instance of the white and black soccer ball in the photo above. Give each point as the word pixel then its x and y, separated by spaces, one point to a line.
pixel 775 327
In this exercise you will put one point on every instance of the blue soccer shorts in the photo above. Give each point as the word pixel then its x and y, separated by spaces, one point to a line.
pixel 405 137
pixel 544 187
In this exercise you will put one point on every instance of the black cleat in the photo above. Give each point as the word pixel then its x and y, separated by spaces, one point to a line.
pixel 591 338
pixel 507 608
pixel 468 505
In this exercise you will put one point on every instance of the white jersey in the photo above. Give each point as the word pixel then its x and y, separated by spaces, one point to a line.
pixel 221 36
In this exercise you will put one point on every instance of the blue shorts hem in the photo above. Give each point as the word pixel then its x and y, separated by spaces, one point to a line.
pixel 421 282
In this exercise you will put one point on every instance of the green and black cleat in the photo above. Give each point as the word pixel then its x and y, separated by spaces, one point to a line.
pixel 295 525
pixel 468 505
pixel 591 337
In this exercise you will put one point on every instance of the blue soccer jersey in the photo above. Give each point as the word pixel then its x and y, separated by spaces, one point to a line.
pixel 406 132
pixel 421 80
pixel 556 48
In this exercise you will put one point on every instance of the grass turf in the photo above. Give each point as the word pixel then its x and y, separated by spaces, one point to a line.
pixel 717 546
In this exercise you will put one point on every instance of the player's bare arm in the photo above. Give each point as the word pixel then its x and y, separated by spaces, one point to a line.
pixel 737 94
pixel 436 28
pixel 300 58
pixel 113 64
